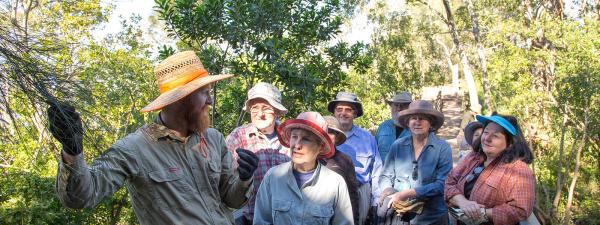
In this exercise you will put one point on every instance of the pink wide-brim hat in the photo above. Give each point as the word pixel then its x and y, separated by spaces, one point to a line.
pixel 312 122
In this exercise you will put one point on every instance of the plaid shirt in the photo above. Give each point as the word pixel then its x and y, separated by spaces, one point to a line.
pixel 270 154
pixel 507 188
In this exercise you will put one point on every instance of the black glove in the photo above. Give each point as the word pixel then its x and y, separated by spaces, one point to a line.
pixel 65 126
pixel 247 161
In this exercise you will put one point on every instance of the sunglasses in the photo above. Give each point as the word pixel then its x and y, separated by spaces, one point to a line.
pixel 415 172
pixel 475 173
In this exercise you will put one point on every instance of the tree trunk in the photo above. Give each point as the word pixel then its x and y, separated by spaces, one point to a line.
pixel 453 67
pixel 577 165
pixel 473 99
pixel 560 163
pixel 481 54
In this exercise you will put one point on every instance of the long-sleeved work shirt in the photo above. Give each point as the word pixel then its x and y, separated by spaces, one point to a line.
pixel 170 180
pixel 321 200
pixel 362 149
pixel 386 134
pixel 506 188
pixel 432 168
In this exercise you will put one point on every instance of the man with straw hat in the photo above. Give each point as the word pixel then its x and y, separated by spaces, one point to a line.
pixel 361 146
pixel 259 136
pixel 390 130
pixel 177 169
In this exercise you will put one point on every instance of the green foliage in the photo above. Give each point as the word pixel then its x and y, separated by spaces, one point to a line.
pixel 286 43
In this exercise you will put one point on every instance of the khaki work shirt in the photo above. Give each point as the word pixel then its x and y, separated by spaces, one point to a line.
pixel 170 180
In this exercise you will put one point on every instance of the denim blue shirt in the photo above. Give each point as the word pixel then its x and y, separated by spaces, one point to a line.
pixel 434 164
pixel 362 149
pixel 386 135
pixel 323 199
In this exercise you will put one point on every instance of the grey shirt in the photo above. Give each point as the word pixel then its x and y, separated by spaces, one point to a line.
pixel 323 199
pixel 170 180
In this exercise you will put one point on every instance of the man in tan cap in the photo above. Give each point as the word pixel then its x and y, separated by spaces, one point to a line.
pixel 177 170
pixel 390 130
pixel 259 136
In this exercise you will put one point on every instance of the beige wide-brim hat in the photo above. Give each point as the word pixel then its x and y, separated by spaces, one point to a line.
pixel 178 76
pixel 421 107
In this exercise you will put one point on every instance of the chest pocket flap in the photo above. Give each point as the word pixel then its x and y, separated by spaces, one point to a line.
pixel 282 206
pixel 321 211
pixel 166 175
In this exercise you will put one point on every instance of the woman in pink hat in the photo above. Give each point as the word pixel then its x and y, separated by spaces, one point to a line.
pixel 303 191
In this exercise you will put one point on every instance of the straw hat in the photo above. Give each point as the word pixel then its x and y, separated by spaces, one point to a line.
pixel 312 122
pixel 421 107
pixel 178 76
pixel 334 125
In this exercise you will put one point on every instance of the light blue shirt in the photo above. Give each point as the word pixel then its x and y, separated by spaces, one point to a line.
pixel 323 199
pixel 386 135
pixel 361 146
pixel 434 164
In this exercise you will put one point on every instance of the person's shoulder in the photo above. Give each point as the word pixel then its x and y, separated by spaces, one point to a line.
pixel 212 132
pixel 242 128
pixel 386 123
pixel 141 135
pixel 439 142
pixel 330 176
pixel 279 169
pixel 519 166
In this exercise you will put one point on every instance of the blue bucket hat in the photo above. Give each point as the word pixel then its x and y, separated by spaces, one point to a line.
pixel 498 120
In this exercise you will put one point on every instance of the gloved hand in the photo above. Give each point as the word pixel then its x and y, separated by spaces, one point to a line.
pixel 247 161
pixel 65 125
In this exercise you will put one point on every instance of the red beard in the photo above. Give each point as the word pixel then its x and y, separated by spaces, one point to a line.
pixel 199 120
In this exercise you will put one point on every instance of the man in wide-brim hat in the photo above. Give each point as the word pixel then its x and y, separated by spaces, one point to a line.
pixel 361 146
pixel 178 170
pixel 390 130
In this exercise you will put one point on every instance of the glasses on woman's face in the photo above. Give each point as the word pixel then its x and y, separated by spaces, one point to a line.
pixel 475 173
pixel 415 173
pixel 265 109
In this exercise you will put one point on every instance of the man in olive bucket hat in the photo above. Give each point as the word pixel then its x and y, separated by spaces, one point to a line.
pixel 259 136
pixel 177 169
pixel 390 130
pixel 361 146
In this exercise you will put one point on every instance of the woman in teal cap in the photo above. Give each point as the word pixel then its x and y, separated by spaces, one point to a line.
pixel 493 184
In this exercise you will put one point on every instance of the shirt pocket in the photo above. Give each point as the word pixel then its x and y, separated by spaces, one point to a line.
pixel 493 190
pixel 319 214
pixel 281 212
pixel 170 188
pixel 215 169
pixel 363 159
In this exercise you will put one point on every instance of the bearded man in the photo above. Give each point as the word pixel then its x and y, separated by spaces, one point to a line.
pixel 177 169
pixel 390 130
